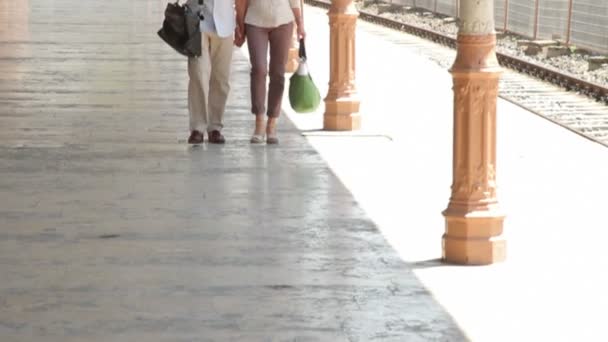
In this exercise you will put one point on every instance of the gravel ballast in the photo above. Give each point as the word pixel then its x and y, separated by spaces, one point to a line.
pixel 575 63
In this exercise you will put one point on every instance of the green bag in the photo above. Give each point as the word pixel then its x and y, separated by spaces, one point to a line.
pixel 304 96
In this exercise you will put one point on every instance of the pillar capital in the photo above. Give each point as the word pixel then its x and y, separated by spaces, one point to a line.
pixel 476 54
pixel 343 7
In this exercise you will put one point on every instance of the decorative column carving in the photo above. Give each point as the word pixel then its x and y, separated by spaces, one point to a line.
pixel 342 102
pixel 474 221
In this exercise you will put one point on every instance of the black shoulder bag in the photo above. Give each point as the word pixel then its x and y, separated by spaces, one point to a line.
pixel 181 29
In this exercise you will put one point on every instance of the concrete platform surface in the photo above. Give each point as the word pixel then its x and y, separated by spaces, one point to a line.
pixel 552 185
pixel 113 229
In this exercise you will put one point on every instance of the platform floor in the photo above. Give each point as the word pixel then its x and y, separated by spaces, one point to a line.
pixel 113 229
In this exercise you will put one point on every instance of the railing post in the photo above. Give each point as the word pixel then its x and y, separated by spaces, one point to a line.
pixel 474 222
pixel 569 33
pixel 342 101
pixel 536 15
pixel 506 26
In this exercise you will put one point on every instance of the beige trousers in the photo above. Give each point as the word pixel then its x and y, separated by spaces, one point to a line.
pixel 209 83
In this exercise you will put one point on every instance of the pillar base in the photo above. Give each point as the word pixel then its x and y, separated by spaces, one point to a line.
pixel 342 115
pixel 342 122
pixel 473 240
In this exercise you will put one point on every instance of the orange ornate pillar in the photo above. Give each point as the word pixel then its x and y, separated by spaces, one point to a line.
pixel 293 57
pixel 342 102
pixel 474 222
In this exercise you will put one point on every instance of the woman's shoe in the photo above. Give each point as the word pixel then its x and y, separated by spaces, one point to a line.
pixel 272 139
pixel 271 132
pixel 258 133
pixel 257 139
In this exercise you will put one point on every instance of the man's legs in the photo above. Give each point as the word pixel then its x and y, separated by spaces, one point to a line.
pixel 220 52
pixel 198 87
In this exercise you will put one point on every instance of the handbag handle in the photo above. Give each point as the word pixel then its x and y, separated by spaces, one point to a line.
pixel 200 2
pixel 302 50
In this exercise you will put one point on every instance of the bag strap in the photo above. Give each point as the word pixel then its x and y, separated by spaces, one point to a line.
pixel 200 2
pixel 302 49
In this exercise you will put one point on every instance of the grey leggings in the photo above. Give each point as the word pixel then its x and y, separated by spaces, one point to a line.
pixel 258 39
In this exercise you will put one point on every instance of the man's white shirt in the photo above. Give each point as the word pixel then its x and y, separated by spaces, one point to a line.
pixel 219 16
pixel 208 24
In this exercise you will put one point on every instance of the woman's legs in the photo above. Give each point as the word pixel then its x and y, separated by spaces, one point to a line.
pixel 257 42
pixel 280 41
pixel 259 39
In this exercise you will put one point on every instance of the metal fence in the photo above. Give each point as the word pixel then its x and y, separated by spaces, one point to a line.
pixel 582 23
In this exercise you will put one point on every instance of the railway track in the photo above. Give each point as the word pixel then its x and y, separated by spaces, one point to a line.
pixel 572 103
